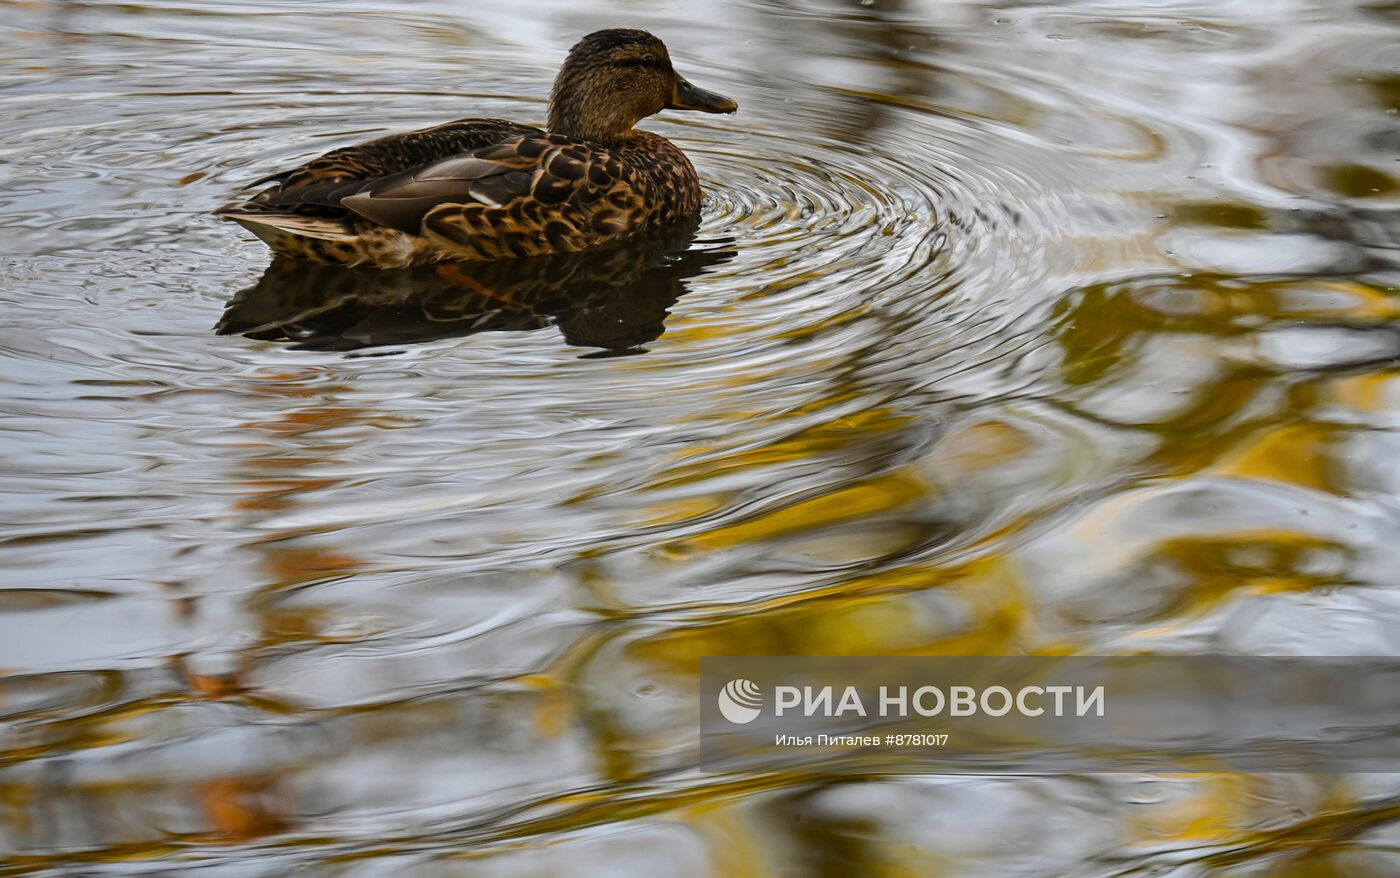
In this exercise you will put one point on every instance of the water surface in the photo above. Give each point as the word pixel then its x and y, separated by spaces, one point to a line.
pixel 1008 328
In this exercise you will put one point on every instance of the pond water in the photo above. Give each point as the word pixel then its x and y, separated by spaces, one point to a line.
pixel 1008 328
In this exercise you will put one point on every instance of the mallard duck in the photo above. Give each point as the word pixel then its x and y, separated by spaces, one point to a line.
pixel 489 189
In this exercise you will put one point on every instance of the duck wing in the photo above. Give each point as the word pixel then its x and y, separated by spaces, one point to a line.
pixel 317 187
pixel 398 152
pixel 524 196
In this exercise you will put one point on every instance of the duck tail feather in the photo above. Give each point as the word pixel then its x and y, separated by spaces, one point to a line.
pixel 265 224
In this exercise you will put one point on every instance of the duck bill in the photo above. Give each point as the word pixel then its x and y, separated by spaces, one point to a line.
pixel 687 97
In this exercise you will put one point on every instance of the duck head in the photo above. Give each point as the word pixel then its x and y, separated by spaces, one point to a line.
pixel 613 79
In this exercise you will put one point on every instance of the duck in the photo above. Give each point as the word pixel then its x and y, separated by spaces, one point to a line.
pixel 483 190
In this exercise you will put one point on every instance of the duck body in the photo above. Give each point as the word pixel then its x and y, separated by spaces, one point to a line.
pixel 478 189
pixel 491 189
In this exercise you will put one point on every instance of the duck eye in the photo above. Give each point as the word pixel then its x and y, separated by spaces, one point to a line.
pixel 648 58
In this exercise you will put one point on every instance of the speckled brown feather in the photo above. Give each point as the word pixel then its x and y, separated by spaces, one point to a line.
pixel 397 152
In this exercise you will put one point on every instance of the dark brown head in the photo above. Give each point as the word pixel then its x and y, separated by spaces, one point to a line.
pixel 613 79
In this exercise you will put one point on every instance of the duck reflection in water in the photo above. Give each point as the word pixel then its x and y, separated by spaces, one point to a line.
pixel 614 298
